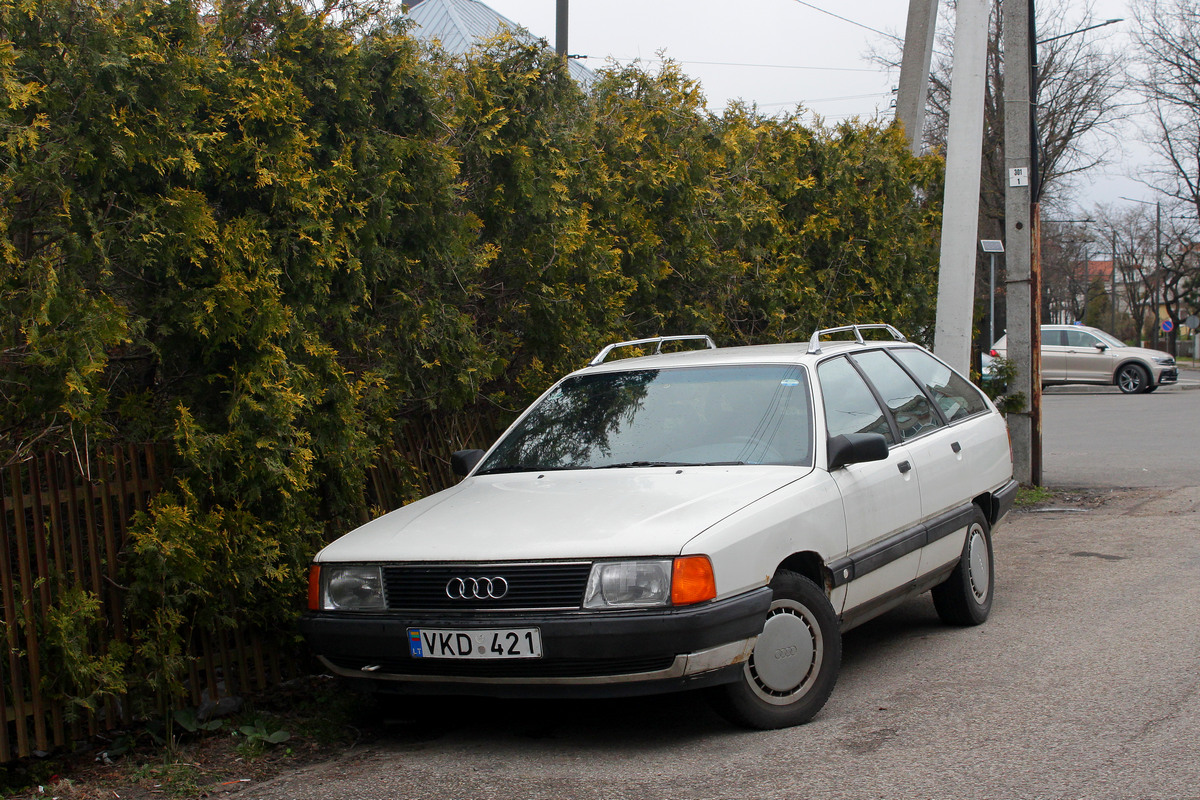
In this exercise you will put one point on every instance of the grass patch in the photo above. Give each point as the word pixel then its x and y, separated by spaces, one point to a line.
pixel 1032 495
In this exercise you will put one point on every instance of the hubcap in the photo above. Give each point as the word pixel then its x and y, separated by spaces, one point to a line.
pixel 1131 379
pixel 977 564
pixel 787 656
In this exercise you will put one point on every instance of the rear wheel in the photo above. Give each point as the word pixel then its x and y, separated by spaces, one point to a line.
pixel 795 662
pixel 1132 379
pixel 965 598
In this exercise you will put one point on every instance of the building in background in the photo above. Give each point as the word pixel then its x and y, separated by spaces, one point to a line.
pixel 459 25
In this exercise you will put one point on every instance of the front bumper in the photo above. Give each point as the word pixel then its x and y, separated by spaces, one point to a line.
pixel 584 653
pixel 1168 375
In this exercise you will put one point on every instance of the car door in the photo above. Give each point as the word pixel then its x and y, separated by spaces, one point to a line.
pixel 881 499
pixel 1054 355
pixel 953 461
pixel 1089 360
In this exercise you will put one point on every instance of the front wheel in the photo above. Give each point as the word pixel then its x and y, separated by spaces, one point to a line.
pixel 795 662
pixel 965 598
pixel 1132 379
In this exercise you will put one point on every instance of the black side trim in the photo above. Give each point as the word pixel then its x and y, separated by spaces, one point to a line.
pixel 879 605
pixel 893 547
pixel 1002 501
pixel 882 553
pixel 947 523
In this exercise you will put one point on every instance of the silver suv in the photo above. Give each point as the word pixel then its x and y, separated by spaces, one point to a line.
pixel 1078 354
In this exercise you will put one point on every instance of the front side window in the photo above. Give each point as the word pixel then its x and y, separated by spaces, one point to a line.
pixel 849 405
pixel 955 395
pixel 1081 339
pixel 912 410
pixel 724 415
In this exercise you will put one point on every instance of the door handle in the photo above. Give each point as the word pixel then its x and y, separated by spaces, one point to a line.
pixel 956 447
pixel 904 466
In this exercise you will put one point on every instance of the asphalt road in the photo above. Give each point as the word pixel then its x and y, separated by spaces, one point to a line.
pixel 1085 683
pixel 1097 437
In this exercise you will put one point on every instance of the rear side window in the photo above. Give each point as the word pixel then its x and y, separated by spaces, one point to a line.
pixel 910 407
pixel 955 395
pixel 849 405
pixel 1053 338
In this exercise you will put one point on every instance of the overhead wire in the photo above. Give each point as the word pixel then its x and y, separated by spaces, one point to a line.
pixel 847 19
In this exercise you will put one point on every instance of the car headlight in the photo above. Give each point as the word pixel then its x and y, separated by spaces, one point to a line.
pixel 352 588
pixel 1164 360
pixel 650 583
pixel 629 584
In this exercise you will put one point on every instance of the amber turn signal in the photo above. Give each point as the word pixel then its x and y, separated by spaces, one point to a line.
pixel 692 581
pixel 314 587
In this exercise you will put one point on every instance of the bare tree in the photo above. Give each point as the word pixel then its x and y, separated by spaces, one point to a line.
pixel 1133 243
pixel 1169 45
pixel 1078 81
pixel 1066 251
pixel 1180 272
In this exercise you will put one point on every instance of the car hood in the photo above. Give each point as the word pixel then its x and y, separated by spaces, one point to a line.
pixel 1141 352
pixel 571 514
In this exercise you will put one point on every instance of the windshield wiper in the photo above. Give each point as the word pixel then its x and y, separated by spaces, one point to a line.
pixel 627 464
pixel 506 470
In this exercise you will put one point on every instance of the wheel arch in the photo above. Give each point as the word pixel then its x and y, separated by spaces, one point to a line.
pixel 990 506
pixel 810 565
pixel 1142 365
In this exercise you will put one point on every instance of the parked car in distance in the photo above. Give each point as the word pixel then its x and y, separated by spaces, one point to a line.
pixel 1079 354
pixel 708 519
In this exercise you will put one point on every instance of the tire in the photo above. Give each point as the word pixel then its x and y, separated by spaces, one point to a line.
pixel 1150 389
pixel 795 662
pixel 965 598
pixel 1132 378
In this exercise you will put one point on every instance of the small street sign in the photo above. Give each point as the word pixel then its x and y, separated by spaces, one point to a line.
pixel 1167 326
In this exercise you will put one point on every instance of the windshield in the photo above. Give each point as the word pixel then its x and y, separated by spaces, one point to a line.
pixel 1106 338
pixel 673 417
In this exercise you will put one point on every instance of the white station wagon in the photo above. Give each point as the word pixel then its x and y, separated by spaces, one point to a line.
pixel 708 518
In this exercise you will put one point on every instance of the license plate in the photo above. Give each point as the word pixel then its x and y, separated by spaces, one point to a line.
pixel 491 643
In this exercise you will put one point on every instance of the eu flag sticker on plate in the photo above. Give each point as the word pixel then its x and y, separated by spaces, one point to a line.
pixel 414 644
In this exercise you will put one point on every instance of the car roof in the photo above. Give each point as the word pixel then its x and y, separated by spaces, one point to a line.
pixel 788 353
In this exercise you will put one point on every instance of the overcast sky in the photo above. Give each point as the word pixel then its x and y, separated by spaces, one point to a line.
pixel 780 53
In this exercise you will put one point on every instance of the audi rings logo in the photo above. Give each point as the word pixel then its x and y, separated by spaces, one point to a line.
pixel 476 588
pixel 786 652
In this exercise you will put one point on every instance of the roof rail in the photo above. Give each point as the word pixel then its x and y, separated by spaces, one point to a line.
pixel 656 340
pixel 814 344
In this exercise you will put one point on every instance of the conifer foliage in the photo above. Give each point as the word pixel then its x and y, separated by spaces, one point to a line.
pixel 273 236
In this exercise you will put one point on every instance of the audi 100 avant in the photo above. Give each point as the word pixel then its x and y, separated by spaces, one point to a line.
pixel 703 519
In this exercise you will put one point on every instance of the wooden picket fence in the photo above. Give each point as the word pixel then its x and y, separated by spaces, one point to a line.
pixel 64 519
pixel 63 522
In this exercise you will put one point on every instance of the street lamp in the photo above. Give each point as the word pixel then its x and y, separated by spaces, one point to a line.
pixel 991 247
pixel 1081 30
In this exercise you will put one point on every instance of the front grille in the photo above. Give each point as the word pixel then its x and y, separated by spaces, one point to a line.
pixel 501 668
pixel 422 587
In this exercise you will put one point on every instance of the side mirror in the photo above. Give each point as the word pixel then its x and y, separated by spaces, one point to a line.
pixel 856 448
pixel 1101 346
pixel 463 461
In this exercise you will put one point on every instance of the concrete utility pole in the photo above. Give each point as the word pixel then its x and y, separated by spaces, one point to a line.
pixel 960 209
pixel 1019 223
pixel 560 29
pixel 914 70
